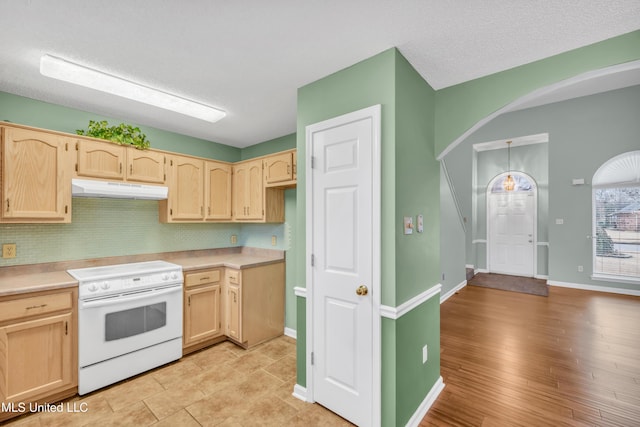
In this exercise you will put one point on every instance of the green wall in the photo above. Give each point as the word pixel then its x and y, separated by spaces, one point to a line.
pixel 26 111
pixel 410 186
pixel 283 143
pixel 583 134
pixel 452 239
pixel 460 107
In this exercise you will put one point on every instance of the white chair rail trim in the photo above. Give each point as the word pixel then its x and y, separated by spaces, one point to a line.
pixel 397 312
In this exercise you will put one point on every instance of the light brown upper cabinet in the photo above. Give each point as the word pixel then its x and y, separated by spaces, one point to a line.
pixel 218 191
pixel 146 166
pixel 36 176
pixel 186 190
pixel 280 169
pixel 107 160
pixel 248 191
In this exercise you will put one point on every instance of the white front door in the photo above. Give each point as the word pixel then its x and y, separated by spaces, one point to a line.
pixel 342 240
pixel 511 222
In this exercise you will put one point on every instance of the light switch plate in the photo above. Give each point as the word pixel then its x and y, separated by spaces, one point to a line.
pixel 408 225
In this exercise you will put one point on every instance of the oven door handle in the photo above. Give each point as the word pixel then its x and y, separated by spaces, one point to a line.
pixel 124 299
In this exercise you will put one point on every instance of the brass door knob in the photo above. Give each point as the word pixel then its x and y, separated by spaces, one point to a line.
pixel 362 290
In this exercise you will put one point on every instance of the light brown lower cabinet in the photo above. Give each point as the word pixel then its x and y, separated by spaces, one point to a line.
pixel 38 349
pixel 202 309
pixel 254 303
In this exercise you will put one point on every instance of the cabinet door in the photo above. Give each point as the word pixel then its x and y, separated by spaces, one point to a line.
pixel 145 166
pixel 278 168
pixel 36 358
pixel 255 191
pixel 240 182
pixel 202 314
pixel 218 190
pixel 295 166
pixel 36 182
pixel 248 191
pixel 234 312
pixel 100 159
pixel 186 191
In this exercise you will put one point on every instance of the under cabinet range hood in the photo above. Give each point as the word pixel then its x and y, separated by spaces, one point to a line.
pixel 117 190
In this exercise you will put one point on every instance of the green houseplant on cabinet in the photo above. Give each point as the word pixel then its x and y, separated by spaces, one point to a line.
pixel 121 134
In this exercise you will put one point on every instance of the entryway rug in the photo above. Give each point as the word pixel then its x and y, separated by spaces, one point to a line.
pixel 527 285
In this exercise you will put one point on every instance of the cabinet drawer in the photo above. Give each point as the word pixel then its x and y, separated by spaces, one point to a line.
pixel 202 277
pixel 233 276
pixel 33 306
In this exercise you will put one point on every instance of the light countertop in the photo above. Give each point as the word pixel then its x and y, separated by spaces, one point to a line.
pixel 50 276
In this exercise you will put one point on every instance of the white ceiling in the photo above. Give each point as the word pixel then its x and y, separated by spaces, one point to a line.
pixel 249 57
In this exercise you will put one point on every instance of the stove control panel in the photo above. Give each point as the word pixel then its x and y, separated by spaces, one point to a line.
pixel 117 285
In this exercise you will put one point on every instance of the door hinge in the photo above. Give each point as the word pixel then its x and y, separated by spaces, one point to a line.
pixel 312 358
pixel 313 162
pixel 313 260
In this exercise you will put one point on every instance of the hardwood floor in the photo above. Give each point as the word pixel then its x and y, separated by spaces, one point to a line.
pixel 511 359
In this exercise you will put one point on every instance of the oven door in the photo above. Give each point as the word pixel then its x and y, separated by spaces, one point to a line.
pixel 113 326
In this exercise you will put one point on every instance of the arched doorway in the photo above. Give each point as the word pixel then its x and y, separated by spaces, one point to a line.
pixel 511 225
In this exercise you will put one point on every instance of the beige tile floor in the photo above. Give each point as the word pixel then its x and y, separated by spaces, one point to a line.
pixel 223 385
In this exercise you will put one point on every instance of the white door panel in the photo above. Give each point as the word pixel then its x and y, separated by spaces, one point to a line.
pixel 511 229
pixel 342 246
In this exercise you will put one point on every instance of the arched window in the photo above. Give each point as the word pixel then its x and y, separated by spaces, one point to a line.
pixel 616 219
pixel 522 183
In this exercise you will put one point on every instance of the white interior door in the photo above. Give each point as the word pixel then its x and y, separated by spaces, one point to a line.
pixel 511 232
pixel 343 244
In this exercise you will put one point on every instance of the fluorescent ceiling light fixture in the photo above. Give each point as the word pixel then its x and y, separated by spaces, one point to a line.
pixel 61 69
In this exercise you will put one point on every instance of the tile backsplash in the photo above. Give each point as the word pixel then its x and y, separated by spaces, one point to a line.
pixel 112 227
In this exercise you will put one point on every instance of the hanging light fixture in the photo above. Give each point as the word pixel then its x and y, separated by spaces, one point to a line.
pixel 509 183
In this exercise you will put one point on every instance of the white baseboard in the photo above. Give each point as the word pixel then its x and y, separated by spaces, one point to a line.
pixel 594 288
pixel 429 400
pixel 482 270
pixel 469 266
pixel 541 276
pixel 446 296
pixel 291 333
pixel 300 392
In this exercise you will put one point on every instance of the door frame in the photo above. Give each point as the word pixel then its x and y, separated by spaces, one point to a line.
pixel 535 218
pixel 373 112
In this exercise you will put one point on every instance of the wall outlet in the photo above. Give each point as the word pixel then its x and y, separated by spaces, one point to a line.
pixel 425 354
pixel 580 269
pixel 9 250
pixel 234 239
pixel 274 240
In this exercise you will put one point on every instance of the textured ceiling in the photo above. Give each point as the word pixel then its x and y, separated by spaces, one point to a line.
pixel 249 57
